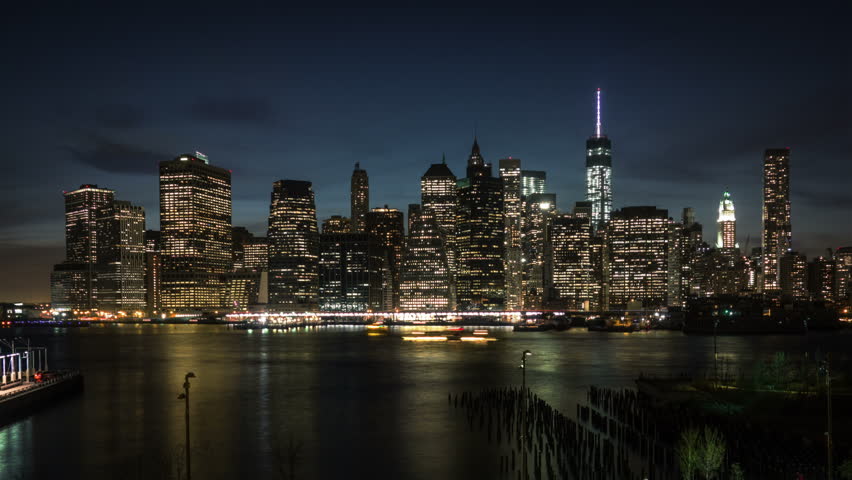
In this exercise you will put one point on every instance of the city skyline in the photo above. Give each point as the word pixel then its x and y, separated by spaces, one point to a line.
pixel 679 139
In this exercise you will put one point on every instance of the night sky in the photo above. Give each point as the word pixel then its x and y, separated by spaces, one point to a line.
pixel 691 100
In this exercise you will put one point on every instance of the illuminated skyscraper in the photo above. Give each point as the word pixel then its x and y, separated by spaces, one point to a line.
pixel 569 241
pixel 153 272
pixel 438 199
pixel 539 208
pixel 639 255
pixel 256 254
pixel 350 272
pixel 533 181
pixel 727 224
pixel 195 226
pixel 74 282
pixel 425 279
pixel 359 199
pixel 293 247
pixel 821 279
pixel 691 241
pixel 843 276
pixel 777 233
pixel 480 279
pixel 336 224
pixel 387 225
pixel 510 173
pixel 599 171
pixel 121 258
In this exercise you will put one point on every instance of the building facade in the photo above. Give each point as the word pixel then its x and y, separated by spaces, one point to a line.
pixel 638 241
pixel 510 174
pixel 195 226
pixel 480 281
pixel 359 198
pixel 350 272
pixel 533 181
pixel 337 224
pixel 777 232
pixel 293 247
pixel 388 227
pixel 121 258
pixel 727 224
pixel 599 171
pixel 569 239
pixel 74 283
pixel 425 280
pixel 538 209
pixel 438 199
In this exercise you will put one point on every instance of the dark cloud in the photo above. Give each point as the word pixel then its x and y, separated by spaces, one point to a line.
pixel 243 110
pixel 119 116
pixel 116 157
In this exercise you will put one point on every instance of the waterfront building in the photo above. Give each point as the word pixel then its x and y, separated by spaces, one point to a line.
pixel 843 276
pixel 438 198
pixel 720 272
pixel 793 275
pixel 74 283
pixel 195 226
pixel 153 272
pixel 293 247
pixel 533 181
pixel 690 244
pixel 727 224
pixel 388 226
pixel 480 279
pixel 777 233
pixel 510 174
pixel 538 210
pixel 638 241
pixel 336 224
pixel 120 268
pixel 359 199
pixel 425 280
pixel 350 272
pixel 821 279
pixel 599 171
pixel 569 240
pixel 71 286
pixel 256 254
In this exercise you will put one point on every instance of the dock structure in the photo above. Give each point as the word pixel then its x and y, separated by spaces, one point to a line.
pixel 22 398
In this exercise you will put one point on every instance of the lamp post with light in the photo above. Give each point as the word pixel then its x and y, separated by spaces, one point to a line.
pixel 524 407
pixel 185 396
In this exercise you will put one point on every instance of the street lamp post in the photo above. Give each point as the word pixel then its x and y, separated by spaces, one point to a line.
pixel 828 431
pixel 185 396
pixel 715 352
pixel 524 408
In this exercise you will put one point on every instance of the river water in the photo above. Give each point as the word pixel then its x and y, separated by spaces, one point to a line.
pixel 332 402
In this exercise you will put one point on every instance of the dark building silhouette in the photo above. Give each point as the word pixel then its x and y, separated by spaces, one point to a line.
pixel 480 280
pixel 350 272
pixel 359 199
pixel 388 226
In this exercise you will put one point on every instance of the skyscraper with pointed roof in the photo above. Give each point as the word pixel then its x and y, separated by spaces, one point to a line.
pixel 599 171
pixel 480 282
pixel 727 221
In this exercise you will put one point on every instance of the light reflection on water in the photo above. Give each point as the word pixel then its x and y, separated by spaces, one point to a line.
pixel 355 404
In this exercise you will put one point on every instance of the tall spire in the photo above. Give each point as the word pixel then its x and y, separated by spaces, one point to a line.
pixel 475 156
pixel 444 158
pixel 598 118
